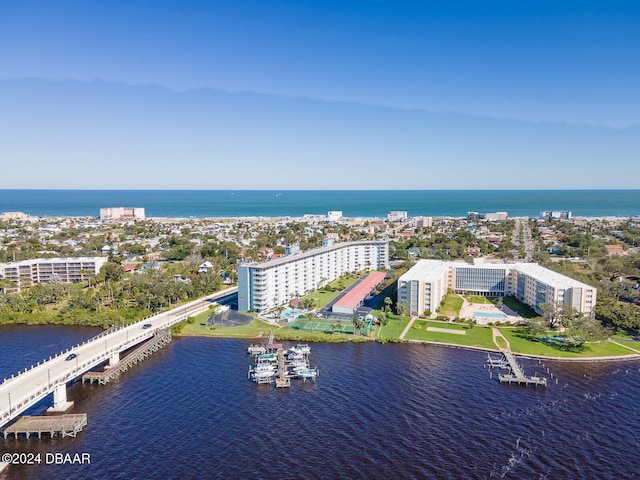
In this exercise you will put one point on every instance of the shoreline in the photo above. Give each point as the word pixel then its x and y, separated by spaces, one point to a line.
pixel 613 358
pixel 309 218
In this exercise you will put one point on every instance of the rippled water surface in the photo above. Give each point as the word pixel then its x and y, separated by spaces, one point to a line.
pixel 377 411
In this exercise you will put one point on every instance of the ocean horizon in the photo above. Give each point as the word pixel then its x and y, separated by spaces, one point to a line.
pixel 296 203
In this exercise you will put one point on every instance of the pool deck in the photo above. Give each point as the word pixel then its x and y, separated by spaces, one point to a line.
pixel 469 310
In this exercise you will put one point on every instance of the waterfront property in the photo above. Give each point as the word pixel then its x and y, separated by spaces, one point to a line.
pixel 423 287
pixel 47 270
pixel 262 286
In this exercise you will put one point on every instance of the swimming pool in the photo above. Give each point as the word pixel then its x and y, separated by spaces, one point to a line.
pixel 290 314
pixel 489 315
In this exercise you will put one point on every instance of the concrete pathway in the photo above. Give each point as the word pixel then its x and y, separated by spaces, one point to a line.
pixel 496 333
pixel 625 346
pixel 406 329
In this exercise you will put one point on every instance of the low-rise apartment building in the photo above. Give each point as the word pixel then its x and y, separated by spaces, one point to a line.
pixel 48 270
pixel 424 286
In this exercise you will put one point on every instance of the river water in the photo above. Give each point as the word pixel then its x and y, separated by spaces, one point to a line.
pixel 376 411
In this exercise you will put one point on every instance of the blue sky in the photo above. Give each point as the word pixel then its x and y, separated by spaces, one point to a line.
pixel 308 94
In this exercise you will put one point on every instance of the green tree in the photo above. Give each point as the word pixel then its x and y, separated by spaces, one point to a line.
pixel 112 271
pixel 387 304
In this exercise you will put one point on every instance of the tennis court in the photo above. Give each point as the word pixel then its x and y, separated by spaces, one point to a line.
pixel 327 325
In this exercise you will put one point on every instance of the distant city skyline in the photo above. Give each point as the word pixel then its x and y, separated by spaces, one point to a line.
pixel 331 95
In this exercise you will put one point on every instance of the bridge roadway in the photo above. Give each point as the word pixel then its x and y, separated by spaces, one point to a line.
pixel 24 390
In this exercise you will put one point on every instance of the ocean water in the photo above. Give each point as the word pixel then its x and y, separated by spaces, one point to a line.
pixel 356 203
pixel 377 411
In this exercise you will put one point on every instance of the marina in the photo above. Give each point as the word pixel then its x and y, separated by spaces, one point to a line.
pixel 273 365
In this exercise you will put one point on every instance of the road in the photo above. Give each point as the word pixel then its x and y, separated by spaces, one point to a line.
pixel 26 389
pixel 524 239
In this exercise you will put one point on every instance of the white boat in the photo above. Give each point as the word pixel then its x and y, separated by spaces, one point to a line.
pixel 265 374
pixel 308 373
pixel 294 355
pixel 298 363
pixel 253 349
pixel 303 348
pixel 268 357
pixel 264 367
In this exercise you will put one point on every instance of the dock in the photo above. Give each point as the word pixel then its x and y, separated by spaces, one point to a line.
pixel 159 340
pixel 64 425
pixel 276 366
pixel 515 375
pixel 283 380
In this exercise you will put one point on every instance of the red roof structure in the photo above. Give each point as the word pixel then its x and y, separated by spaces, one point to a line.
pixel 357 294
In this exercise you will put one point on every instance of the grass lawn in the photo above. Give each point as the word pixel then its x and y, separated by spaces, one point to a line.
pixel 501 342
pixel 477 299
pixel 474 337
pixel 619 334
pixel 630 343
pixel 322 296
pixel 286 333
pixel 521 343
pixel 525 311
pixel 257 328
pixel 393 329
pixel 451 305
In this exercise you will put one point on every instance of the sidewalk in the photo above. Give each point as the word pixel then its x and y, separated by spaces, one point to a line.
pixel 406 329
pixel 496 333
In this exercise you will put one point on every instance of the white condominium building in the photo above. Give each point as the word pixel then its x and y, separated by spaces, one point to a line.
pixel 262 286
pixel 48 270
pixel 122 213
pixel 396 216
pixel 424 285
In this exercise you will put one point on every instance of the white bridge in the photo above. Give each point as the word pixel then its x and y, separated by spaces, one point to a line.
pixel 24 390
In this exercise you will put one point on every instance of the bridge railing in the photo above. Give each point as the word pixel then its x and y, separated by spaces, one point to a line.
pixel 179 316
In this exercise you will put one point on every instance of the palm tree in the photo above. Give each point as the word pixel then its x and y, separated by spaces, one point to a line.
pixel 388 302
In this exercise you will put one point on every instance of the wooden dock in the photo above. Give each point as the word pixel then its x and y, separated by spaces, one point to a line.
pixel 515 375
pixel 65 425
pixel 528 381
pixel 282 380
pixel 159 340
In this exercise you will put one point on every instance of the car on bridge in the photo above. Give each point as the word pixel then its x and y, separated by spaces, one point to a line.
pixel 71 356
pixel 147 325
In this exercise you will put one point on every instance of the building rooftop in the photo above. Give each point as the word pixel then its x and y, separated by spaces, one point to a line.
pixel 274 262
pixel 53 260
pixel 426 270
pixel 549 277
pixel 429 270
pixel 360 291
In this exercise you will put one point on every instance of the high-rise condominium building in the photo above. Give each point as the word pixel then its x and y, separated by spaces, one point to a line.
pixel 262 286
